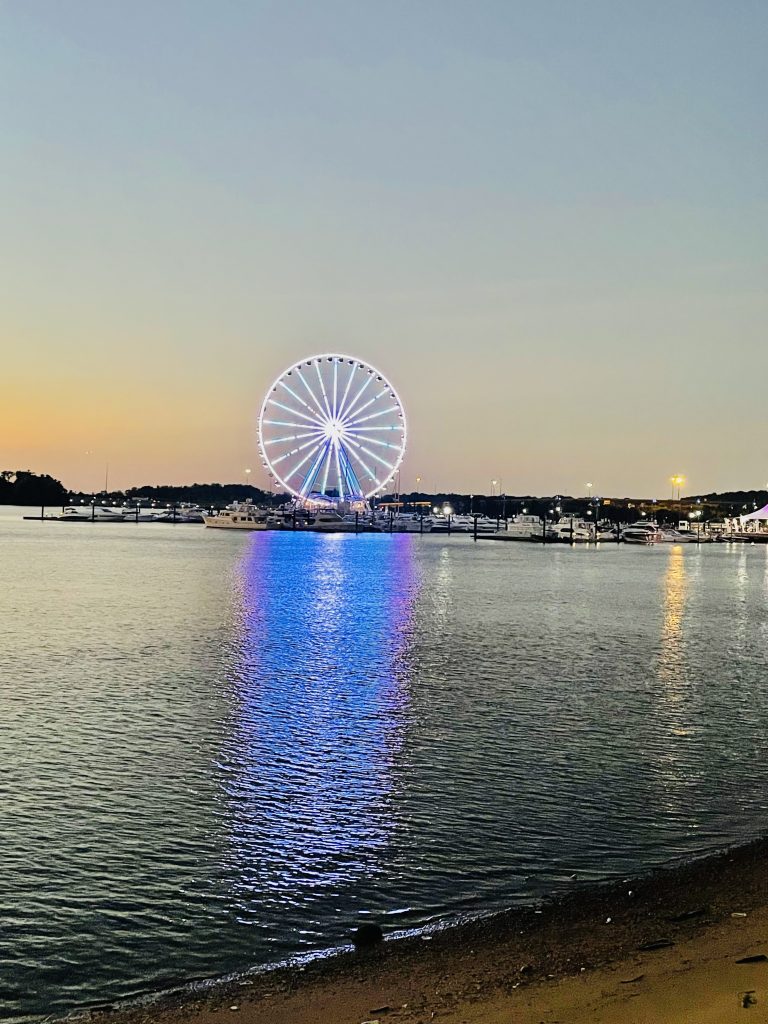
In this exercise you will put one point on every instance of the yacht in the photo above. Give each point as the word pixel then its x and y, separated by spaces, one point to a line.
pixel 641 532
pixel 485 525
pixel 240 515
pixel 329 521
pixel 91 513
pixel 669 535
pixel 571 531
pixel 522 527
pixel 413 524
pixel 451 524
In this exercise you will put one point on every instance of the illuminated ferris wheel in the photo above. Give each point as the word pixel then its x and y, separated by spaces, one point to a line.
pixel 332 425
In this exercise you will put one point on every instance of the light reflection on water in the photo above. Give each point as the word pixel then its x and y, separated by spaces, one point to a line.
pixel 221 749
pixel 321 697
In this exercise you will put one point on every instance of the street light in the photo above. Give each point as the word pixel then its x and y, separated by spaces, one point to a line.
pixel 589 491
pixel 677 481
pixel 493 487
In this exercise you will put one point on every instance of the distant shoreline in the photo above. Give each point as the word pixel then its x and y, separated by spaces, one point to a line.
pixel 521 960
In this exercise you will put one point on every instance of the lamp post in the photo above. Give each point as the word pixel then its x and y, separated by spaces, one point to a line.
pixel 677 481
pixel 589 491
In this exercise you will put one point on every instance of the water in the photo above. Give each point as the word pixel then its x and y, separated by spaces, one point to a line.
pixel 219 748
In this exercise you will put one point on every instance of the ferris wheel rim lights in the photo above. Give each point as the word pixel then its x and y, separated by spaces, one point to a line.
pixel 330 439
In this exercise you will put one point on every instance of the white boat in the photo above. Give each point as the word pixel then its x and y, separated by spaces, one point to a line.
pixel 669 535
pixel 328 521
pixel 91 513
pixel 451 524
pixel 240 515
pixel 485 525
pixel 571 531
pixel 522 527
pixel 641 533
pixel 409 523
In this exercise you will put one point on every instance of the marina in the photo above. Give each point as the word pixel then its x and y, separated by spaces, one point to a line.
pixel 395 517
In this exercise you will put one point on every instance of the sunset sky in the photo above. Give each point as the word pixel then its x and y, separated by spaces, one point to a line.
pixel 545 221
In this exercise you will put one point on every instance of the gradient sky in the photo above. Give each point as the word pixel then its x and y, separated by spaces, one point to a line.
pixel 545 221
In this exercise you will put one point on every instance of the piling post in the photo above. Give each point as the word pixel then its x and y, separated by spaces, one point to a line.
pixel 293 517
pixel 421 522
pixel 93 510
pixel 474 527
pixel 449 525
pixel 544 528
pixel 357 522
pixel 138 507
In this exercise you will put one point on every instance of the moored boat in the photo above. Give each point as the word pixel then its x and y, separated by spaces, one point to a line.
pixel 240 515
pixel 641 533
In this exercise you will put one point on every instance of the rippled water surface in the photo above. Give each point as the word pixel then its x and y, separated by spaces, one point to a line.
pixel 220 748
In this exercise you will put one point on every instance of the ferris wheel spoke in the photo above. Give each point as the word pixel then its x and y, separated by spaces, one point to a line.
pixel 350 378
pixel 352 416
pixel 353 483
pixel 375 415
pixel 338 467
pixel 374 440
pixel 367 469
pixel 295 451
pixel 309 479
pixel 322 389
pixel 367 430
pixel 324 488
pixel 293 437
pixel 343 415
pixel 300 400
pixel 304 461
pixel 287 423
pixel 311 393
pixel 354 410
pixel 295 412
pixel 377 458
pixel 335 384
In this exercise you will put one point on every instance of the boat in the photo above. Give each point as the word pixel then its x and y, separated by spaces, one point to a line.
pixel 240 515
pixel 669 535
pixel 89 514
pixel 571 531
pixel 412 524
pixel 329 521
pixel 522 527
pixel 641 533
pixel 484 525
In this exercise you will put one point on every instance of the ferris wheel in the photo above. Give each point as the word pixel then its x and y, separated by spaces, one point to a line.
pixel 332 425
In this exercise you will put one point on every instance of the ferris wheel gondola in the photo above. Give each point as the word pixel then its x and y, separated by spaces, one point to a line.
pixel 333 426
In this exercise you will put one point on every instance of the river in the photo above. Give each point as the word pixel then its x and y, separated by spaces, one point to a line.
pixel 219 749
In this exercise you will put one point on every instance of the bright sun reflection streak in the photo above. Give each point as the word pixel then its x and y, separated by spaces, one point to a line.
pixel 343 418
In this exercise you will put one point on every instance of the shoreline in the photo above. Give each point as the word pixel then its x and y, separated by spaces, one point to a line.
pixel 601 954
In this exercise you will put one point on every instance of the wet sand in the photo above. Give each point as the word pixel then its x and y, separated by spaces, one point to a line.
pixel 657 950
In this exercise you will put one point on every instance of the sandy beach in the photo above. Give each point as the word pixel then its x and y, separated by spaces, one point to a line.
pixel 650 951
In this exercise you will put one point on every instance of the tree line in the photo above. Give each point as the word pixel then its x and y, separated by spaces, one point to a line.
pixel 23 487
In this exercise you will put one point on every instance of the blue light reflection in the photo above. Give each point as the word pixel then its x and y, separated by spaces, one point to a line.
pixel 321 697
